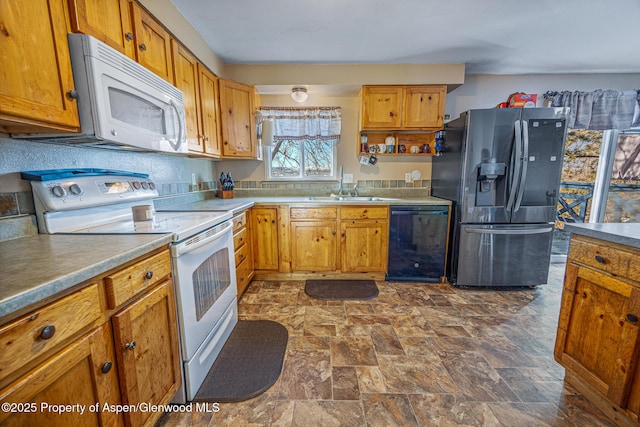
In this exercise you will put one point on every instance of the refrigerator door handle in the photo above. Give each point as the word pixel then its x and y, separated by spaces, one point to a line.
pixel 508 230
pixel 525 163
pixel 514 178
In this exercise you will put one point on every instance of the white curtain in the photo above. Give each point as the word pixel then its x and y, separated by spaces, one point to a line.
pixel 600 109
pixel 300 123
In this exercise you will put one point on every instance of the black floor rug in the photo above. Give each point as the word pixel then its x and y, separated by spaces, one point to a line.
pixel 341 289
pixel 249 363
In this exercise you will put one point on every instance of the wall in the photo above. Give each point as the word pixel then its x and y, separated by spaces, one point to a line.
pixel 486 91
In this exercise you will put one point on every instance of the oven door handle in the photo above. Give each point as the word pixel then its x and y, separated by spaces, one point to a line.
pixel 198 241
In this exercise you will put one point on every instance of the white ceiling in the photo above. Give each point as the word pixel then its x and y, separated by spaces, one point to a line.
pixel 489 36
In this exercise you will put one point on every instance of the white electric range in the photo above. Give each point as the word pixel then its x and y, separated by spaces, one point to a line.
pixel 97 201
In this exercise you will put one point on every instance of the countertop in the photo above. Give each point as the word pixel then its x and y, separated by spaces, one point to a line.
pixel 241 203
pixel 36 268
pixel 627 234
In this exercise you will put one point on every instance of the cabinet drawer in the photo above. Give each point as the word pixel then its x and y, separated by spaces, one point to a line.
pixel 313 213
pixel 127 283
pixel 601 257
pixel 368 212
pixel 26 338
pixel 239 221
pixel 240 238
pixel 242 254
pixel 244 273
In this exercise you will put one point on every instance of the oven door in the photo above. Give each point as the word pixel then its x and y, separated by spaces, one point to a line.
pixel 205 280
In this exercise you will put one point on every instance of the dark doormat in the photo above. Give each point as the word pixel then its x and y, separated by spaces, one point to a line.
pixel 249 363
pixel 341 289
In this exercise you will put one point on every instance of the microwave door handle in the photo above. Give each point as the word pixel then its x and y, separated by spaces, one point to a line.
pixel 181 125
pixel 515 171
pixel 525 162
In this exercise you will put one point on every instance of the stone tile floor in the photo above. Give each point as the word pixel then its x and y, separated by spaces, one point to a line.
pixel 417 355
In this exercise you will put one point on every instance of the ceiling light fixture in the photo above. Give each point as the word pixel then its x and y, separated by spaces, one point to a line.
pixel 299 94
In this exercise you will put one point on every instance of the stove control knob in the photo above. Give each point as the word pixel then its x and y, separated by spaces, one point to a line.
pixel 136 185
pixel 145 185
pixel 58 191
pixel 75 189
pixel 152 185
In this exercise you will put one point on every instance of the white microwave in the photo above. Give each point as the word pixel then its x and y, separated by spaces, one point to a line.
pixel 121 104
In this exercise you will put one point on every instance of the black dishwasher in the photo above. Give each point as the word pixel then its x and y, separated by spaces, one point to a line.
pixel 418 243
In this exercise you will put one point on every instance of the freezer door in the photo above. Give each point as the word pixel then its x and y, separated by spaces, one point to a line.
pixel 487 165
pixel 543 137
pixel 503 255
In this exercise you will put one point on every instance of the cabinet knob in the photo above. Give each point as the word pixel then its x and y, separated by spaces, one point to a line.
pixel 632 318
pixel 48 332
pixel 73 94
pixel 143 47
pixel 600 259
pixel 130 345
pixel 128 36
pixel 106 367
pixel 273 221
pixel 148 275
pixel 334 233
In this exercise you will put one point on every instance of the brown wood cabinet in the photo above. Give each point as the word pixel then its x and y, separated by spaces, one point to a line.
pixel 37 82
pixel 264 238
pixel 238 122
pixel 243 250
pixel 209 113
pixel 107 20
pixel 152 43
pixel 185 71
pixel 147 351
pixel 364 234
pixel 83 373
pixel 597 340
pixel 113 341
pixel 403 107
pixel 313 236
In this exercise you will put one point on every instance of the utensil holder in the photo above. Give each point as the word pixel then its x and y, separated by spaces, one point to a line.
pixel 225 194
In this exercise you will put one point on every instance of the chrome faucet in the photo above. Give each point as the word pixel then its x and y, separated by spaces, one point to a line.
pixel 355 190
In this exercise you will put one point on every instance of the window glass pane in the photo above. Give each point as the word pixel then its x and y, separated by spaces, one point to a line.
pixel 286 160
pixel 318 158
pixel 623 202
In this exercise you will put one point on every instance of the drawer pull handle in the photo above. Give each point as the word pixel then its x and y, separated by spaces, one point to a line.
pixel 48 332
pixel 128 36
pixel 148 275
pixel 130 345
pixel 143 47
pixel 106 367
pixel 632 318
pixel 600 259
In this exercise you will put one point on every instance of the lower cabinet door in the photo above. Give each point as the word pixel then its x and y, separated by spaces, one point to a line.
pixel 146 337
pixel 364 245
pixel 314 245
pixel 598 331
pixel 81 376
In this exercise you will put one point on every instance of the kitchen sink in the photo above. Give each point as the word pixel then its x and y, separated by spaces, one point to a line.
pixel 348 199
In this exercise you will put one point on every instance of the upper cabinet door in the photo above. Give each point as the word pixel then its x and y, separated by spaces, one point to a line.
pixel 209 111
pixel 185 70
pixel 424 106
pixel 36 78
pixel 237 119
pixel 382 107
pixel 107 20
pixel 153 43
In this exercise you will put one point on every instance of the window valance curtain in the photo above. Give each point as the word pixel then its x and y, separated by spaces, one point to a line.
pixel 600 109
pixel 300 123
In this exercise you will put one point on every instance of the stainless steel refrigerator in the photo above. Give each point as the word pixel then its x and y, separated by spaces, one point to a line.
pixel 501 169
